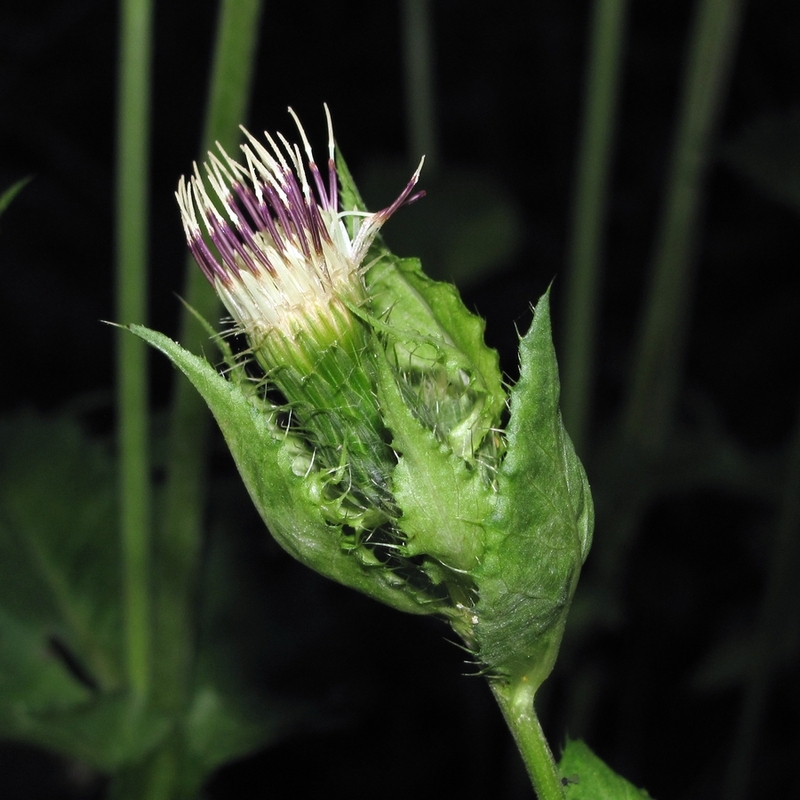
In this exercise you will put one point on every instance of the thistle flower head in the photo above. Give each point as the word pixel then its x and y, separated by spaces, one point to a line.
pixel 288 267
pixel 396 475
pixel 285 257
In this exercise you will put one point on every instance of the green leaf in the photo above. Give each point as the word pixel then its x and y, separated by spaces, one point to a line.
pixel 276 471
pixel 444 503
pixel 428 318
pixel 416 305
pixel 60 613
pixel 541 531
pixel 10 193
pixel 42 703
pixel 58 543
pixel 108 731
pixel 32 677
pixel 218 730
pixel 589 778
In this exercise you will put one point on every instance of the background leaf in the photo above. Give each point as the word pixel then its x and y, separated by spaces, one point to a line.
pixel 589 778
pixel 58 570
pixel 61 680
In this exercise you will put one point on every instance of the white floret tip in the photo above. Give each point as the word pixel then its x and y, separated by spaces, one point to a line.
pixel 283 251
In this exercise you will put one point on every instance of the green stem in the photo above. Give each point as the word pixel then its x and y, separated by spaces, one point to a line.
pixel 133 132
pixel 185 493
pixel 594 163
pixel 661 340
pixel 167 774
pixel 516 703
pixel 418 71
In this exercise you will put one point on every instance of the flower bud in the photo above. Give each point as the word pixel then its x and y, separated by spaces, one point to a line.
pixel 373 446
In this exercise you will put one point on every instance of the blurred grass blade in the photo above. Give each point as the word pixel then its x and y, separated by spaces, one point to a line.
pixel 778 610
pixel 133 139
pixel 594 164
pixel 9 194
pixel 661 340
pixel 418 72
pixel 180 534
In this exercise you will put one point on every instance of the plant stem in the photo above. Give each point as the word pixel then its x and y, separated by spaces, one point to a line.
pixel 181 533
pixel 594 163
pixel 418 70
pixel 516 702
pixel 133 131
pixel 167 774
pixel 655 376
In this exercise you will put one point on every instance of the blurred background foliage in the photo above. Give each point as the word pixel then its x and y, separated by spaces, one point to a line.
pixel 680 662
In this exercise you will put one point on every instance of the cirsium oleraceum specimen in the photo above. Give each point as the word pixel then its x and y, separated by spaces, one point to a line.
pixel 373 441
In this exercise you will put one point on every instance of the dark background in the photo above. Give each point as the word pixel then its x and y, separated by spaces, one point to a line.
pixel 402 717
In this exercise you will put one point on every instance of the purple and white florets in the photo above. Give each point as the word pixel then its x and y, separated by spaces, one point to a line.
pixel 284 251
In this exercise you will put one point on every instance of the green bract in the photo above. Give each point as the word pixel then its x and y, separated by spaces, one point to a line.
pixel 372 443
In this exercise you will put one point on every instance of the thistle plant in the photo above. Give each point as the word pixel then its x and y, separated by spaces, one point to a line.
pixel 371 423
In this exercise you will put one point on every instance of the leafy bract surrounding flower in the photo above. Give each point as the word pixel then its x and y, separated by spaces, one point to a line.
pixel 366 415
